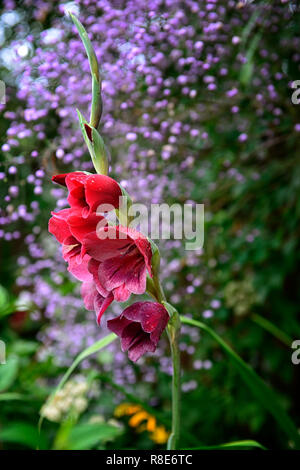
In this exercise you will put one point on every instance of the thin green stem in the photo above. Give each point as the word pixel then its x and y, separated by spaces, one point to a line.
pixel 155 289
pixel 272 329
pixel 96 108
pixel 173 334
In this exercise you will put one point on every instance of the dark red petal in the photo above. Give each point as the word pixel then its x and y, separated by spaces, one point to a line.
pixel 88 291
pixel 141 348
pixel 128 270
pixel 101 304
pixel 152 316
pixel 93 268
pixel 117 325
pixel 75 179
pixel 79 269
pixel 134 338
pixel 60 179
pixel 95 301
pixel 121 293
pixel 142 244
pixel 136 341
pixel 75 184
pixel 144 247
pixel 102 190
pixel 102 248
pixel 137 238
pixel 81 226
pixel 88 131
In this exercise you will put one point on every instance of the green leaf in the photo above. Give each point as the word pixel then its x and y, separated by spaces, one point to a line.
pixel 247 68
pixel 24 347
pixel 8 373
pixel 272 329
pixel 23 434
pixel 260 390
pixel 87 436
pixel 7 310
pixel 88 46
pixel 249 27
pixel 96 108
pixel 11 396
pixel 238 445
pixel 102 343
pixel 3 297
pixel 7 305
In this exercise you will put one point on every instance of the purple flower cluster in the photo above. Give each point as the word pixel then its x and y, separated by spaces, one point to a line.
pixel 175 75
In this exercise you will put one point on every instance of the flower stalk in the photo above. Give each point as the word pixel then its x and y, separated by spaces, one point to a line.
pixel 93 139
pixel 173 334
pixel 155 289
pixel 173 331
pixel 143 320
pixel 96 109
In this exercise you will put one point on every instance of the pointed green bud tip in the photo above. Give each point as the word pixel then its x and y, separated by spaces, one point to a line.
pixel 98 151
pixel 88 131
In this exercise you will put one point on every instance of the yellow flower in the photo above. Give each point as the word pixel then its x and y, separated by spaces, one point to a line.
pixel 143 421
pixel 126 409
pixel 160 435
pixel 138 418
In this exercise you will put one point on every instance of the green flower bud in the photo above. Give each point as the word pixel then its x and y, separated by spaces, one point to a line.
pixel 96 146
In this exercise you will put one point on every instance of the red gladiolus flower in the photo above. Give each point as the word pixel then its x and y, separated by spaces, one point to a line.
pixel 70 228
pixel 140 326
pixel 120 293
pixel 88 191
pixel 123 256
pixel 93 300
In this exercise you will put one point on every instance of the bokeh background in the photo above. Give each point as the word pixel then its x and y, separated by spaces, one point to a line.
pixel 197 108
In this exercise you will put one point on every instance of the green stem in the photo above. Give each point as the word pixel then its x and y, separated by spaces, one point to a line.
pixel 155 289
pixel 96 108
pixel 173 334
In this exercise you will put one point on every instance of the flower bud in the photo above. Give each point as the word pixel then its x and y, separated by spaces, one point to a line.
pixel 96 146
